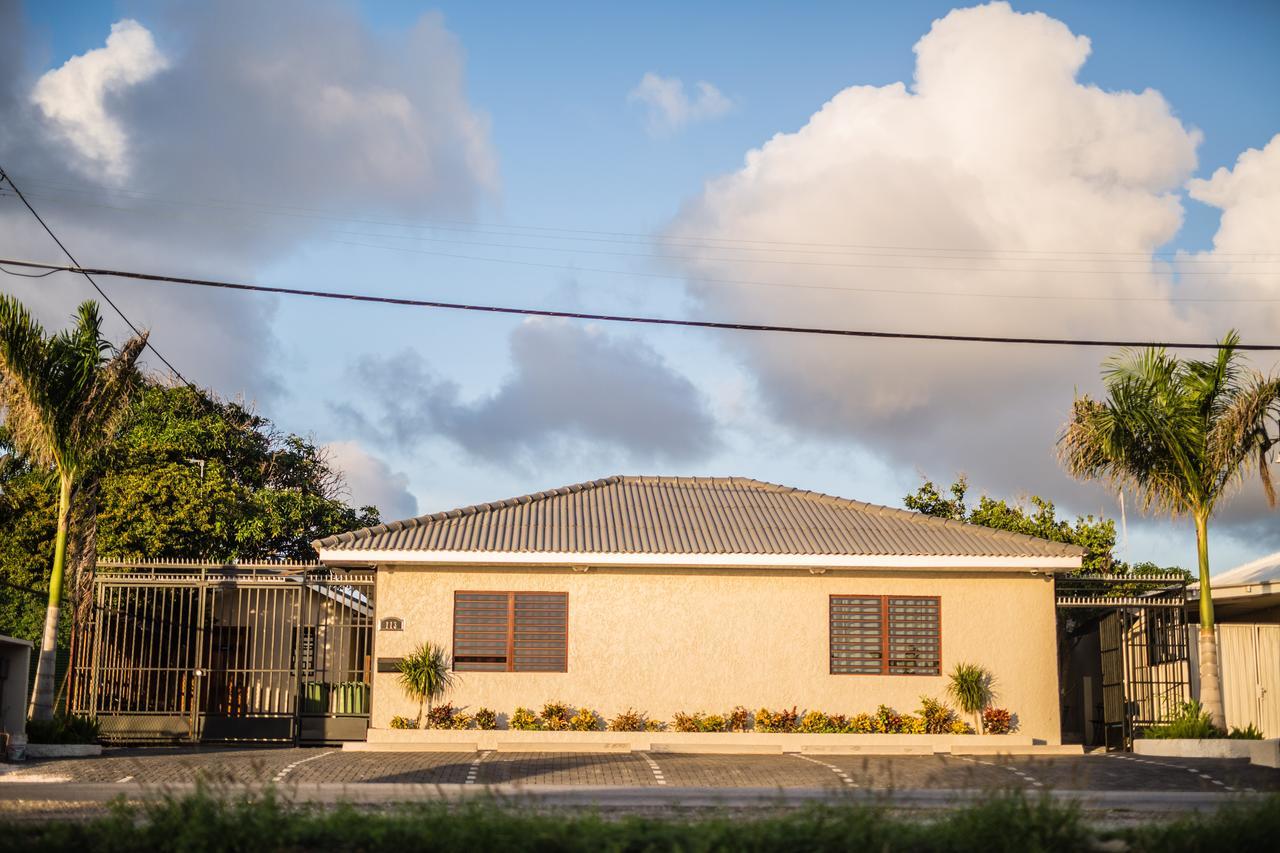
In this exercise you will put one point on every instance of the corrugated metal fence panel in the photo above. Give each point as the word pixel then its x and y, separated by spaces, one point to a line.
pixel 1268 644
pixel 1239 661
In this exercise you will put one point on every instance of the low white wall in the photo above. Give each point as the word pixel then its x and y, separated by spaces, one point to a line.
pixel 507 740
pixel 1263 752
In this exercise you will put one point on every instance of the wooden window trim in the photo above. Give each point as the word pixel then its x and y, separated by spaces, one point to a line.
pixel 511 628
pixel 884 636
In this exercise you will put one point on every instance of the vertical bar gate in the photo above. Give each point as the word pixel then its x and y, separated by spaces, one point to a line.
pixel 268 653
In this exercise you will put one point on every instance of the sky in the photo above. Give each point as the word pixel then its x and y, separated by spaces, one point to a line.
pixel 1060 169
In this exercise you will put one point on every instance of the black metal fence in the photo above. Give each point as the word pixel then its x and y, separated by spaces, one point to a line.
pixel 1146 663
pixel 183 651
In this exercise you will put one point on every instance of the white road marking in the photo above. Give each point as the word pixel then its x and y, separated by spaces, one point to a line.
pixel 844 777
pixel 124 779
pixel 289 767
pixel 474 770
pixel 653 765
pixel 1194 771
pixel 1025 777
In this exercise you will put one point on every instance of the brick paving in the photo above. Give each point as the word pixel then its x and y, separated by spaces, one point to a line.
pixel 158 766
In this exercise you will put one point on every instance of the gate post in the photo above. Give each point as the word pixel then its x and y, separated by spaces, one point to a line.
pixel 299 594
pixel 197 672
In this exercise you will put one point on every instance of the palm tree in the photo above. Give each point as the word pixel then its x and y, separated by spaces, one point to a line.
pixel 971 686
pixel 1182 435
pixel 426 675
pixel 63 399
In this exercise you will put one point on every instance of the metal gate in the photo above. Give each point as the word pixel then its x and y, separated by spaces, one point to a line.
pixel 227 652
pixel 1142 633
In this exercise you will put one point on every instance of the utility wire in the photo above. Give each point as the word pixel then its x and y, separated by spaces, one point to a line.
pixel 4 176
pixel 621 318
pixel 552 232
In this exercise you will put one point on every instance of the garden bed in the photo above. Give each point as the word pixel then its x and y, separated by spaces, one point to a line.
pixel 508 740
pixel 1262 752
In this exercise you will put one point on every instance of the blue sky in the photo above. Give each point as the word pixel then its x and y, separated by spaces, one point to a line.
pixel 572 151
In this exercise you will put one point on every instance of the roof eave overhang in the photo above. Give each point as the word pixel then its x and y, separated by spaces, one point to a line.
pixel 547 559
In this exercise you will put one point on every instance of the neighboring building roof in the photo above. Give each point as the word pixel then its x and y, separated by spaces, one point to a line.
pixel 691 515
pixel 1263 573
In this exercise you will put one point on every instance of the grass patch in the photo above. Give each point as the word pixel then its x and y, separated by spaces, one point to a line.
pixel 262 821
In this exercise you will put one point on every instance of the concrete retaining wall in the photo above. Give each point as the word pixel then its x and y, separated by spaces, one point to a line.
pixel 1263 752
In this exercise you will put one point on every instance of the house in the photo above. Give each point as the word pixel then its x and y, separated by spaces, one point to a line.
pixel 1246 605
pixel 668 594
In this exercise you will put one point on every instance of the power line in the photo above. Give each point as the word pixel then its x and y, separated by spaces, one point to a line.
pixel 551 232
pixel 4 176
pixel 619 318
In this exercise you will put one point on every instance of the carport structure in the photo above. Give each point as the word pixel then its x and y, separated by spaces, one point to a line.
pixel 226 652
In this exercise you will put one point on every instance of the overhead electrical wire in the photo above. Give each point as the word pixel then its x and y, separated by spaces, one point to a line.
pixel 5 177
pixel 621 318
pixel 688 240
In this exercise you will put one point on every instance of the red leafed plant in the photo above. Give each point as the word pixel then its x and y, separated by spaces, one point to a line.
pixel 997 721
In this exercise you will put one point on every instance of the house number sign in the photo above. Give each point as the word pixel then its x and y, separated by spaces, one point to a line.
pixel 392 623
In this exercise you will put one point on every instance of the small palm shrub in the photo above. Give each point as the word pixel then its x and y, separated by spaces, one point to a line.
pixel 426 675
pixel 585 720
pixel 997 721
pixel 525 720
pixel 403 723
pixel 64 728
pixel 1249 732
pixel 629 720
pixel 486 719
pixel 739 719
pixel 971 688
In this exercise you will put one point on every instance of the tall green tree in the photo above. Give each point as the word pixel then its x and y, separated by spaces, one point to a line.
pixel 64 398
pixel 1181 434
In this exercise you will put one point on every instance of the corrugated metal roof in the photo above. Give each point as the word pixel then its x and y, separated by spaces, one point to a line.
pixel 691 515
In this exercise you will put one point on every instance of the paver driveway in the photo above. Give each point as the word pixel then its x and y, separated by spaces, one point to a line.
pixel 286 766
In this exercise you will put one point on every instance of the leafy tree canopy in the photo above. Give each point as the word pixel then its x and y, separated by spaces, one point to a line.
pixel 1096 535
pixel 191 476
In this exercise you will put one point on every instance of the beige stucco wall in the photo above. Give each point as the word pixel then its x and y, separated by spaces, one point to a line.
pixel 663 641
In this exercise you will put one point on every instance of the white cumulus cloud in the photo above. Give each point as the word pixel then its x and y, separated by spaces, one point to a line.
pixel 669 107
pixel 74 97
pixel 997 194
pixel 371 482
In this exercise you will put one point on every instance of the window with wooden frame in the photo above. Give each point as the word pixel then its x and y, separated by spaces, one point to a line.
pixel 511 631
pixel 886 635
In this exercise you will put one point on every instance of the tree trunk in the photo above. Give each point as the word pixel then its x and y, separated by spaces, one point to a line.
pixel 1210 676
pixel 42 697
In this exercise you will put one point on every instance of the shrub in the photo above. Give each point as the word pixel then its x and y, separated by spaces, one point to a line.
pixel 655 726
pixel 713 723
pixel 777 721
pixel 739 719
pixel 461 721
pixel 815 722
pixel 403 723
pixel 998 721
pixel 683 722
pixel 486 719
pixel 441 716
pixel 525 720
pixel 1191 721
pixel 1249 732
pixel 914 725
pixel 556 716
pixel 839 723
pixel 585 720
pixel 64 728
pixel 937 716
pixel 629 720
pixel 885 721
pixel 860 724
